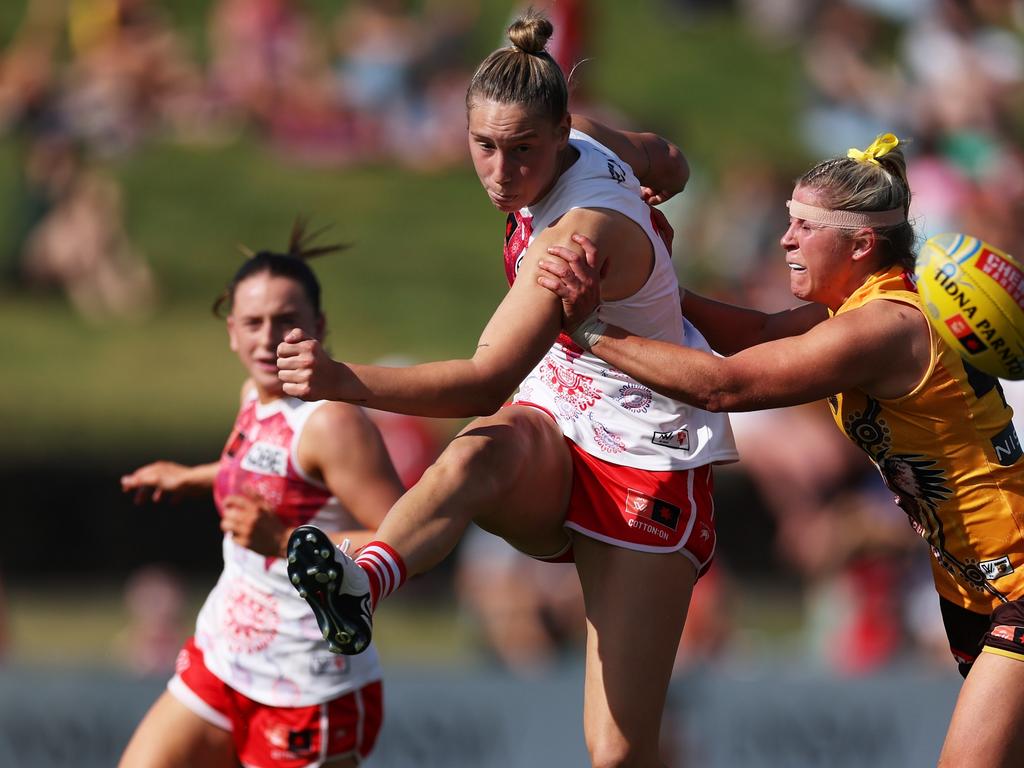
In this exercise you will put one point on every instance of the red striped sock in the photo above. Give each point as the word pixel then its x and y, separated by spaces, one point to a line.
pixel 384 567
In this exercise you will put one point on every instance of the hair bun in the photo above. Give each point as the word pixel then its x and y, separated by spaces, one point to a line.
pixel 530 33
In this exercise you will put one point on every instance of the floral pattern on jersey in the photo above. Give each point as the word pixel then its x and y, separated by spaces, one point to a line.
pixel 607 441
pixel 632 395
pixel 574 392
pixel 250 618
pixel 635 397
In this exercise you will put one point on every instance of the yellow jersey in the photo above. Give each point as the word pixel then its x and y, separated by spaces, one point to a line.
pixel 949 452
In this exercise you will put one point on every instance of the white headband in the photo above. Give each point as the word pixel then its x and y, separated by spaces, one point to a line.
pixel 845 219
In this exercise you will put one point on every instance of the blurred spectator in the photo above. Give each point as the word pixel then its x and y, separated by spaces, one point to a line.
pixel 710 620
pixel 404 75
pixel 80 244
pixel 857 562
pixel 271 68
pixel 155 601
pixel 742 263
pixel 28 77
pixel 130 75
pixel 378 44
pixel 855 89
pixel 530 613
pixel 966 72
pixel 837 528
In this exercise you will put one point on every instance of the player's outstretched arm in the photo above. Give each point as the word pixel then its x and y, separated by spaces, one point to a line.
pixel 729 328
pixel 168 479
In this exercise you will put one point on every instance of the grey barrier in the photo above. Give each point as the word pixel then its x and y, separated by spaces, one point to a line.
pixel 729 717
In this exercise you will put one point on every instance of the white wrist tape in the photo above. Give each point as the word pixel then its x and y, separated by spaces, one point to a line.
pixel 589 331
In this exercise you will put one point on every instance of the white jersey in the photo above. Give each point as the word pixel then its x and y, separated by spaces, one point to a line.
pixel 604 411
pixel 255 632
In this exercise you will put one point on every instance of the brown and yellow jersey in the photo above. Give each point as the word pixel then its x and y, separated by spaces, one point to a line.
pixel 950 453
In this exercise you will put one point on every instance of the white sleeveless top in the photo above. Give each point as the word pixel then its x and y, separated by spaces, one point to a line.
pixel 256 633
pixel 604 411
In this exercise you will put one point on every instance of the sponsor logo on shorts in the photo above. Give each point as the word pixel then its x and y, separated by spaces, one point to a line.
pixel 1008 634
pixel 651 515
pixel 679 439
pixel 266 459
pixel 286 743
pixel 963 333
pixel 300 742
pixel 994 569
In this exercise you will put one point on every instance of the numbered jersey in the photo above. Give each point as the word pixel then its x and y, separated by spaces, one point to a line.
pixel 604 411
pixel 255 632
pixel 949 451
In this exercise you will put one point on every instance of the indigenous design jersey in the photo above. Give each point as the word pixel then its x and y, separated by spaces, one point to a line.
pixel 949 451
pixel 604 411
pixel 256 633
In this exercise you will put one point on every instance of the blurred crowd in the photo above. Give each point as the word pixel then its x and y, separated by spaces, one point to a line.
pixel 84 80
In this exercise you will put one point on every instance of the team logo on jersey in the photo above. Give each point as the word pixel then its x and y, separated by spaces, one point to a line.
pixel 328 664
pixel 643 507
pixel 679 439
pixel 994 569
pixel 615 169
pixel 234 443
pixel 266 459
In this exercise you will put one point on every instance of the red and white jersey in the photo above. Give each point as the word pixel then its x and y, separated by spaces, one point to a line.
pixel 256 633
pixel 601 409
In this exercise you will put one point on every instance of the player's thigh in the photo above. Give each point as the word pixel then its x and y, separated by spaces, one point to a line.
pixel 987 727
pixel 636 605
pixel 519 460
pixel 172 736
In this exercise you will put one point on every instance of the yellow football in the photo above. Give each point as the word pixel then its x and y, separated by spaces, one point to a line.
pixel 973 294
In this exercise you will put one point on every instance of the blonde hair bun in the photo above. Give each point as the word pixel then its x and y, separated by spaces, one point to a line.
pixel 530 33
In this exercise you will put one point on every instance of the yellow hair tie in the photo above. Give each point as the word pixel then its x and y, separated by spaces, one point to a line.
pixel 882 145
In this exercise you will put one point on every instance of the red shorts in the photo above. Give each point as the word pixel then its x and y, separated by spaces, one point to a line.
pixel 642 509
pixel 279 737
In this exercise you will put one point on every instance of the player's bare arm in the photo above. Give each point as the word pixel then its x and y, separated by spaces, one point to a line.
pixel 728 328
pixel 364 480
pixel 659 164
pixel 851 351
pixel 167 479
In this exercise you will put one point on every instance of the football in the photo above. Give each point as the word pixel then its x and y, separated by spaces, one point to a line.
pixel 973 294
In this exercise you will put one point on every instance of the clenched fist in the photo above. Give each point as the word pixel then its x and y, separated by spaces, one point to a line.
pixel 306 369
